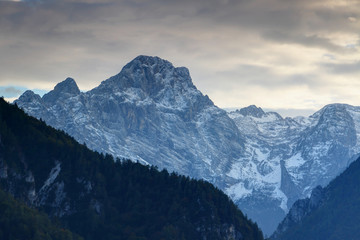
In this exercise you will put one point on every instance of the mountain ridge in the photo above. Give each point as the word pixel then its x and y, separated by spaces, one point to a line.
pixel 153 113
pixel 168 96
pixel 303 152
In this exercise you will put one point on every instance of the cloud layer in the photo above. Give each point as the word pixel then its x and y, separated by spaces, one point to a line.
pixel 272 53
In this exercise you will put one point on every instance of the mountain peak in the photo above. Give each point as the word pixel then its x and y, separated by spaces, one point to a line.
pixel 333 107
pixel 146 63
pixel 336 107
pixel 150 74
pixel 67 86
pixel 333 112
pixel 64 88
pixel 153 63
pixel 29 96
pixel 151 60
pixel 253 111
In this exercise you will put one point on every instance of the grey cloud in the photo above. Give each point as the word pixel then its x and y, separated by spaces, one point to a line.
pixel 10 91
pixel 92 39
pixel 298 23
pixel 274 16
pixel 251 75
pixel 343 69
pixel 310 41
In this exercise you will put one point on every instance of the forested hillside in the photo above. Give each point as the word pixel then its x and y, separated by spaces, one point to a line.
pixel 332 213
pixel 99 198
pixel 18 222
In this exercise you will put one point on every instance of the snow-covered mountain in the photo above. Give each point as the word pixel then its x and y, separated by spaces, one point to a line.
pixel 285 158
pixel 151 112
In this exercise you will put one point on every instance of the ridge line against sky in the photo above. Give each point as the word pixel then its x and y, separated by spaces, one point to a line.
pixel 276 54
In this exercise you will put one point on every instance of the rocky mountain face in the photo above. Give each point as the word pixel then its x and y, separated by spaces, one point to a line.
pixel 330 213
pixel 151 112
pixel 288 157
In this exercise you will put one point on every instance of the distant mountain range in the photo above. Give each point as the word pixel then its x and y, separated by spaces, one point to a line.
pixel 151 112
pixel 97 198
pixel 289 157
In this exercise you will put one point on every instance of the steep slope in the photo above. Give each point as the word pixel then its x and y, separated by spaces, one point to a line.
pixel 331 213
pixel 18 221
pixel 152 112
pixel 289 157
pixel 98 198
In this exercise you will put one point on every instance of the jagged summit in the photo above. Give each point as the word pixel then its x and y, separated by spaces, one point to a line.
pixel 67 88
pixel 252 110
pixel 150 74
pixel 156 63
pixel 29 95
pixel 257 112
pixel 149 61
pixel 333 107
pixel 337 105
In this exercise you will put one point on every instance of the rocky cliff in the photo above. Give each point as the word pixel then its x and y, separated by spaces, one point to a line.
pixel 151 112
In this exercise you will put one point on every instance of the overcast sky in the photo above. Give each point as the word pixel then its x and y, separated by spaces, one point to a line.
pixel 276 54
